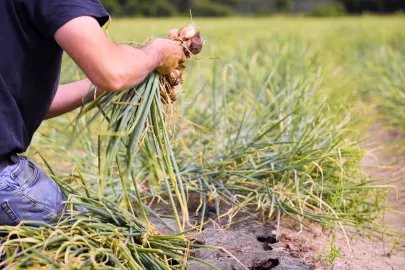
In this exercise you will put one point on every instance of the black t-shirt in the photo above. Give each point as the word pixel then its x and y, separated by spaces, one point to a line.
pixel 30 63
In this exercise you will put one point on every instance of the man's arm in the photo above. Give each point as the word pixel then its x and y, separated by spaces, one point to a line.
pixel 111 66
pixel 108 66
pixel 69 97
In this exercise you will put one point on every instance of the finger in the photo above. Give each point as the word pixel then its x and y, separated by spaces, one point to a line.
pixel 163 70
pixel 175 66
pixel 173 34
pixel 183 57
pixel 171 70
pixel 182 68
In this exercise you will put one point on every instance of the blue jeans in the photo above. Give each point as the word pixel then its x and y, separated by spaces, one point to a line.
pixel 28 194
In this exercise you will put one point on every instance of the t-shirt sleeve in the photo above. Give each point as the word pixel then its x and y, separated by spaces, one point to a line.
pixel 50 15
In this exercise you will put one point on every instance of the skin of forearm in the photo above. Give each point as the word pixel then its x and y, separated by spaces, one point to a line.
pixel 129 73
pixel 138 64
pixel 69 97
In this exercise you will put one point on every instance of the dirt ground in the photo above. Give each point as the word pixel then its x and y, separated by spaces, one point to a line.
pixel 256 248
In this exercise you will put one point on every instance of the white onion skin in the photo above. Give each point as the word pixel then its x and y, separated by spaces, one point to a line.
pixel 187 32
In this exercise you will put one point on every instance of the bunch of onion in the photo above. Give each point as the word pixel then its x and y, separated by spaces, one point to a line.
pixel 135 118
pixel 189 38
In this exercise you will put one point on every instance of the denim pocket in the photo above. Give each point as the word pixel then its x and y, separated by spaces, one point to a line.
pixel 30 195
pixel 25 174
pixel 7 215
pixel 37 186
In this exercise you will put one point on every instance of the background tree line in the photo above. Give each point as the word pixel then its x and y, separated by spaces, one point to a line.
pixel 163 8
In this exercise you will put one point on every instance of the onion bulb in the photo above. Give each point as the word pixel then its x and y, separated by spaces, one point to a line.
pixel 187 32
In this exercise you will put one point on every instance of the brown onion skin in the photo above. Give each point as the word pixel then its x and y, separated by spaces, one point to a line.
pixel 169 96
pixel 196 44
pixel 173 94
pixel 175 78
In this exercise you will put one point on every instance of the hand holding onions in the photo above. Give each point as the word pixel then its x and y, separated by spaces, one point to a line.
pixel 189 38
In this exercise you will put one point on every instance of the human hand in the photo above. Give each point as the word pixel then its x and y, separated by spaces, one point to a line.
pixel 169 54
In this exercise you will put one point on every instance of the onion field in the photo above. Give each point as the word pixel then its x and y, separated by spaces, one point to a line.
pixel 268 126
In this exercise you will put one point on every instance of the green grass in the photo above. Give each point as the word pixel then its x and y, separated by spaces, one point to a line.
pixel 269 124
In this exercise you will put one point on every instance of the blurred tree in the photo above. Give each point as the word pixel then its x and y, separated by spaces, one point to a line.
pixel 183 6
pixel 112 6
pixel 257 7
pixel 157 8
pixel 130 7
pixel 284 5
pixel 228 2
pixel 335 10
pixel 229 7
pixel 378 6
pixel 211 9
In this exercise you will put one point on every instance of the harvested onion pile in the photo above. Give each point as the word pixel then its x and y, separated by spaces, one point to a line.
pixel 104 237
pixel 190 39
pixel 135 118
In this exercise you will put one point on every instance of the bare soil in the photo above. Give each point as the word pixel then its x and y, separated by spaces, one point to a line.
pixel 255 246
